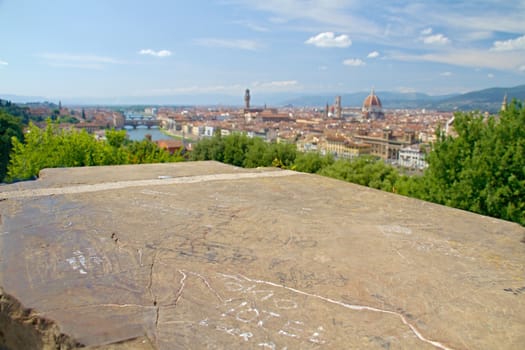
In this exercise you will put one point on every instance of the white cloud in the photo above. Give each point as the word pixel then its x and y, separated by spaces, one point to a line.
pixel 329 39
pixel 509 45
pixel 87 61
pixel 160 53
pixel 427 31
pixel 281 83
pixel 234 89
pixel 192 89
pixel 340 15
pixel 253 26
pixel 399 23
pixel 373 54
pixel 354 62
pixel 476 35
pixel 241 44
pixel 78 58
pixel 3 63
pixel 490 75
pixel 473 58
pixel 522 68
pixel 439 39
pixel 446 74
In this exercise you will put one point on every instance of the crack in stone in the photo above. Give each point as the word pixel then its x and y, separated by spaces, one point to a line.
pixel 154 298
pixel 150 284
pixel 93 305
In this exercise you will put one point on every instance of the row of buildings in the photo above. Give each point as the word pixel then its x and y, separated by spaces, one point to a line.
pixel 399 136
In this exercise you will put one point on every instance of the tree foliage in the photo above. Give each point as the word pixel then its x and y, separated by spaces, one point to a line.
pixel 21 113
pixel 312 162
pixel 241 150
pixel 483 168
pixel 54 147
pixel 366 170
pixel 10 127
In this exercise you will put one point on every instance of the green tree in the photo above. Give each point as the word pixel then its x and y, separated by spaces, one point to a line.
pixel 240 150
pixel 483 168
pixel 364 170
pixel 235 149
pixel 311 162
pixel 209 149
pixel 255 154
pixel 145 151
pixel 116 138
pixel 282 154
pixel 55 147
pixel 10 127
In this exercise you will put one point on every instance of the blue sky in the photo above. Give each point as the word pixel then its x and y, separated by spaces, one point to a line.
pixel 65 49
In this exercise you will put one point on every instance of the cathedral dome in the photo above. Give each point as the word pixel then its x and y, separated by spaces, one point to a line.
pixel 372 101
pixel 372 107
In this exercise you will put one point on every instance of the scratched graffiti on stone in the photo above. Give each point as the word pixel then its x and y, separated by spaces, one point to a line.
pixel 249 313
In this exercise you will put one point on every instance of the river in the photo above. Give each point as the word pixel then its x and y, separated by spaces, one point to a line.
pixel 140 132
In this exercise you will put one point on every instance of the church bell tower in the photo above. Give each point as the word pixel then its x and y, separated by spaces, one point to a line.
pixel 247 99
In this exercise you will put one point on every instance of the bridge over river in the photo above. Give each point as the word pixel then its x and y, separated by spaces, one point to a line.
pixel 142 121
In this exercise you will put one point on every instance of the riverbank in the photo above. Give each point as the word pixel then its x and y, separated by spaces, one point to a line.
pixel 176 136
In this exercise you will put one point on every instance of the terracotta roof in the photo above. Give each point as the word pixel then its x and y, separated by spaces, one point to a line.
pixel 372 100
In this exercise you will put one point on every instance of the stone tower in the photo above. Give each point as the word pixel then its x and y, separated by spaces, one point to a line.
pixel 504 103
pixel 338 108
pixel 247 99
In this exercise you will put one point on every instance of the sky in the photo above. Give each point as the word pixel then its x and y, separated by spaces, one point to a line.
pixel 214 49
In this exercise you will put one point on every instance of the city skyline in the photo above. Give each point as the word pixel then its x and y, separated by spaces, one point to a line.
pixel 161 49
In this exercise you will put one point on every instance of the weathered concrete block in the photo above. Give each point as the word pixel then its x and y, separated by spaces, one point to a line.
pixel 204 255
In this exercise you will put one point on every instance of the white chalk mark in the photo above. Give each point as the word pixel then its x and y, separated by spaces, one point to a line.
pixel 292 326
pixel 141 183
pixel 246 336
pixel 233 286
pixel 285 304
pixel 352 307
pixel 140 256
pixel 207 285
pixel 315 337
pixel 78 261
pixel 269 314
pixel 401 255
pixel 248 315
pixel 181 288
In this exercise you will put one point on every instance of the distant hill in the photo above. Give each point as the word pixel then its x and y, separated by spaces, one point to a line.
pixel 21 99
pixel 485 100
pixel 389 99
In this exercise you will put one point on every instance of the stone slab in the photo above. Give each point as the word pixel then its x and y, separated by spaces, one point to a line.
pixel 205 255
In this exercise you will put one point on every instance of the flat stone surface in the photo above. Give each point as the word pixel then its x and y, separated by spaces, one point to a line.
pixel 205 255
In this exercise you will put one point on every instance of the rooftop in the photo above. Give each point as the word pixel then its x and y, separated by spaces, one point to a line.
pixel 205 255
